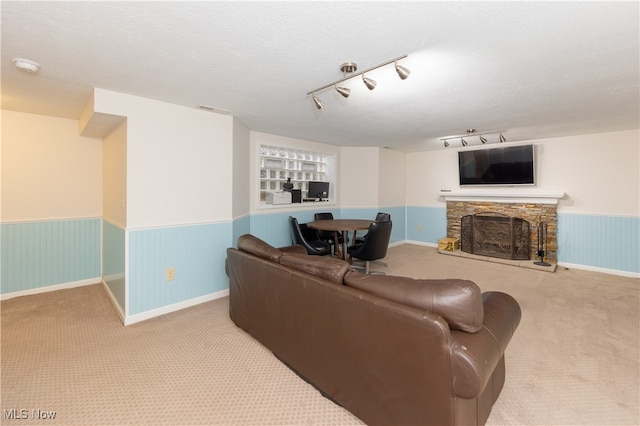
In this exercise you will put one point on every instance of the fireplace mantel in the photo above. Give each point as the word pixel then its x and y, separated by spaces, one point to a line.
pixel 499 196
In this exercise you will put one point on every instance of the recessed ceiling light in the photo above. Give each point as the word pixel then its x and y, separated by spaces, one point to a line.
pixel 26 65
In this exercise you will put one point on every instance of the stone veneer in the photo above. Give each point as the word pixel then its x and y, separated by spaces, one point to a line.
pixel 531 212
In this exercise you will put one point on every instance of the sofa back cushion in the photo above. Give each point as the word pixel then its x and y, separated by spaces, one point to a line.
pixel 329 268
pixel 459 302
pixel 254 245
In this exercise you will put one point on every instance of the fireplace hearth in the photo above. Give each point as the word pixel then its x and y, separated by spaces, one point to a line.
pixel 495 235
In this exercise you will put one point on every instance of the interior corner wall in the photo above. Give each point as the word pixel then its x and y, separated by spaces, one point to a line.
pixel 392 186
pixel 115 176
pixel 241 180
pixel 114 213
pixel 179 202
pixel 51 204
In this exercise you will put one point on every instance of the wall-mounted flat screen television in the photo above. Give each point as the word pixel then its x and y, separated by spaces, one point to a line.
pixel 508 165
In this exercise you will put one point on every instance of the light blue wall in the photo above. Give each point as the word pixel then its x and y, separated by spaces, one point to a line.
pixel 113 260
pixel 608 242
pixel 40 254
pixel 426 224
pixel 241 226
pixel 45 253
pixel 197 252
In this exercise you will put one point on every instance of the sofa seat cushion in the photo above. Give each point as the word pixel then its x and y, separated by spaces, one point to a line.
pixel 254 245
pixel 329 268
pixel 459 302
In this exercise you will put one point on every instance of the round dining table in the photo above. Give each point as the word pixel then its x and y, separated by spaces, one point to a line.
pixel 343 226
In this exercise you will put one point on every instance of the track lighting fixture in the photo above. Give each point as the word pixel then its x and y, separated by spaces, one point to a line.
pixel 349 71
pixel 471 135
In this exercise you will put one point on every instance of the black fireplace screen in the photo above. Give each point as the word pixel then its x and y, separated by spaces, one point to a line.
pixel 495 235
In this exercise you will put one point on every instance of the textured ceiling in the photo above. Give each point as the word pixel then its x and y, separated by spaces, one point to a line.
pixel 535 69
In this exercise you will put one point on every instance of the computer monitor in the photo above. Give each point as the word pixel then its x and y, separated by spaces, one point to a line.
pixel 318 190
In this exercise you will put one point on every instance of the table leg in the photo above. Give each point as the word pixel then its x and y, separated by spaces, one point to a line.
pixel 338 253
pixel 345 235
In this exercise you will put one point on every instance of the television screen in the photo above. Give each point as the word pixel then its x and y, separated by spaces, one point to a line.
pixel 511 165
pixel 318 190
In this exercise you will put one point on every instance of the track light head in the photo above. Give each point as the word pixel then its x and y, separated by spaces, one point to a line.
pixel 344 91
pixel 502 138
pixel 317 102
pixel 464 143
pixel 483 139
pixel 446 144
pixel 403 72
pixel 371 84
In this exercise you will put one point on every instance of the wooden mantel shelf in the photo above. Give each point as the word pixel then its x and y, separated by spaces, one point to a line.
pixel 501 196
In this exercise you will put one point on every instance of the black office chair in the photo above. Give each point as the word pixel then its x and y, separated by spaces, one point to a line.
pixel 328 236
pixel 374 247
pixel 380 217
pixel 308 238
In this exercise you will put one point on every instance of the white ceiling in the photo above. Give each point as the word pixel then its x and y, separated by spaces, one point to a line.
pixel 535 69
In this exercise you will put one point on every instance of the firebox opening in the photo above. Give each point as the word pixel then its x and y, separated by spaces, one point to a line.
pixel 495 235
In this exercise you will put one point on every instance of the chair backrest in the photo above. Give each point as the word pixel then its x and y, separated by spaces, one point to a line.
pixel 323 216
pixel 296 232
pixel 383 217
pixel 324 235
pixel 306 237
pixel 375 243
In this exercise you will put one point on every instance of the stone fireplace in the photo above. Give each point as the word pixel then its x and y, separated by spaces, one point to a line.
pixel 497 212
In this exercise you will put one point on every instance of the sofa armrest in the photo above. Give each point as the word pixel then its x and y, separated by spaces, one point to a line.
pixel 296 248
pixel 474 357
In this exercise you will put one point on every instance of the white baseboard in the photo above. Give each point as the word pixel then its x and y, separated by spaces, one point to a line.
pixel 419 243
pixel 49 288
pixel 113 300
pixel 627 274
pixel 132 319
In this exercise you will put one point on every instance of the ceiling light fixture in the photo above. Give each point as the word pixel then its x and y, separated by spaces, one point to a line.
pixel 471 134
pixel 344 91
pixel 318 103
pixel 349 71
pixel 369 82
pixel 26 65
pixel 403 72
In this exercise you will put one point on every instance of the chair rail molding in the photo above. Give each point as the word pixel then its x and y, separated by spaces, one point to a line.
pixel 547 197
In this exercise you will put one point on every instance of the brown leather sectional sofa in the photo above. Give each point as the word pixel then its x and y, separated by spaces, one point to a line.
pixel 391 350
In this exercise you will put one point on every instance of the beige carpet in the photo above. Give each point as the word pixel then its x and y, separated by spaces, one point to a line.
pixel 573 360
